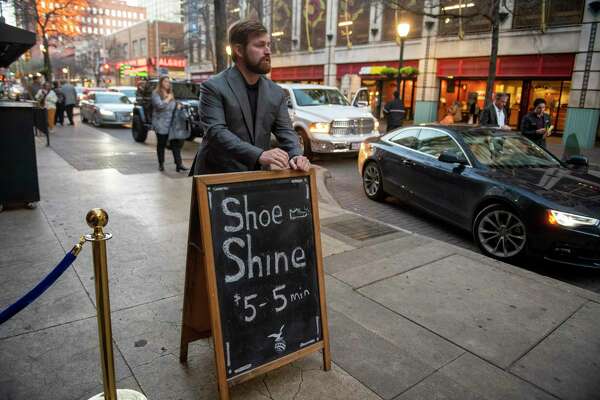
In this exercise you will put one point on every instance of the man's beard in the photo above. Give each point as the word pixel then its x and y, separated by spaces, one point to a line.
pixel 261 67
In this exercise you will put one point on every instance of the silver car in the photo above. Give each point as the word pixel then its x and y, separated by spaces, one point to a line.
pixel 106 108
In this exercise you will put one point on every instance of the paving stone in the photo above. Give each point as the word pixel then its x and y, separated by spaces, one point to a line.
pixel 408 337
pixel 365 274
pixel 567 363
pixel 469 378
pixel 56 363
pixel 374 361
pixel 496 315
pixel 333 246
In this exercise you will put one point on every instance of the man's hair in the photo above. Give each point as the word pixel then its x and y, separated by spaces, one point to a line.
pixel 500 95
pixel 396 94
pixel 539 101
pixel 242 31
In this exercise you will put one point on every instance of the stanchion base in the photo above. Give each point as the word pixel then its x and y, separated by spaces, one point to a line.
pixel 123 394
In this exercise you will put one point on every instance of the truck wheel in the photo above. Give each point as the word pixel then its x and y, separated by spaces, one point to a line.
pixel 304 143
pixel 138 131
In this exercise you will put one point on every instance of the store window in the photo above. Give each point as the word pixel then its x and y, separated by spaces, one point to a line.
pixel 353 22
pixel 314 15
pixel 281 26
pixel 472 14
pixel 528 14
pixel 556 94
pixel 392 16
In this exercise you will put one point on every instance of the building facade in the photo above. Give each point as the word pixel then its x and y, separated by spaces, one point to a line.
pixel 161 10
pixel 551 54
pixel 145 50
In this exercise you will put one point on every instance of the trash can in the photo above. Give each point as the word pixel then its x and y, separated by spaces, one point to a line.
pixel 18 163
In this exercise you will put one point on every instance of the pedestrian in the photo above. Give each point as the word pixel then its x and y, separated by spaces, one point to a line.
pixel 70 99
pixel 240 108
pixel 457 112
pixel 47 99
pixel 59 118
pixel 449 118
pixel 473 112
pixel 35 87
pixel 395 112
pixel 535 125
pixel 163 110
pixel 495 115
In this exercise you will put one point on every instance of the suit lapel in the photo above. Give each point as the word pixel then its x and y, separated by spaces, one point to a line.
pixel 238 86
pixel 261 104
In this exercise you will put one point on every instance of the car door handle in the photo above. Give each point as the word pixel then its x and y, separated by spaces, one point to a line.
pixel 407 162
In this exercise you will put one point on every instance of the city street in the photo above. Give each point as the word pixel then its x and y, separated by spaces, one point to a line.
pixel 89 148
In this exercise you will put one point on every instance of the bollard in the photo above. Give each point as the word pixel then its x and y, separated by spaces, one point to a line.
pixel 97 219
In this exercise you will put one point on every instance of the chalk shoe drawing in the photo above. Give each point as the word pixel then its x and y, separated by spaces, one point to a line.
pixel 297 213
pixel 280 344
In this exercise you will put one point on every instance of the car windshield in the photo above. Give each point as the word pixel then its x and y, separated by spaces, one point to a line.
pixel 183 90
pixel 508 151
pixel 319 97
pixel 110 98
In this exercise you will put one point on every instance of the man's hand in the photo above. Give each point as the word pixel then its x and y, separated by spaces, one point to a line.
pixel 276 157
pixel 300 163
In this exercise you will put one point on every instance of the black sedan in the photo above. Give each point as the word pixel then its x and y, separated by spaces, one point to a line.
pixel 516 198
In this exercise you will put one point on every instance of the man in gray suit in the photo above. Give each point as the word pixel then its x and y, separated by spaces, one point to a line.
pixel 70 99
pixel 240 108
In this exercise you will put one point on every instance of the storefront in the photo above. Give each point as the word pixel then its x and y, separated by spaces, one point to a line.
pixel 131 71
pixel 522 78
pixel 312 74
pixel 381 86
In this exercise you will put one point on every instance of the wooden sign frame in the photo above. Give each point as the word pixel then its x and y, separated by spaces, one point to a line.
pixel 201 313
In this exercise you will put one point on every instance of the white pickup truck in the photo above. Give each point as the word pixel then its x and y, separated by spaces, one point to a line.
pixel 325 121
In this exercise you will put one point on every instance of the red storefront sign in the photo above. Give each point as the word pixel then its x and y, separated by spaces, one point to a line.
pixel 299 73
pixel 539 66
pixel 354 68
pixel 169 62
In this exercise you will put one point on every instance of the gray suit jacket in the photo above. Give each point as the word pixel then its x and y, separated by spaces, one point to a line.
pixel 70 94
pixel 231 143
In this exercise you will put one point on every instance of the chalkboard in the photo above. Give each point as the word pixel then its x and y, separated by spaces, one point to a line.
pixel 258 243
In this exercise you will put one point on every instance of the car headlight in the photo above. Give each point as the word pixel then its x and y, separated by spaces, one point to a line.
pixel 319 127
pixel 569 220
pixel 107 113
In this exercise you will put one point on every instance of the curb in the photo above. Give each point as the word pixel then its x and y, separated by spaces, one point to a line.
pixel 323 176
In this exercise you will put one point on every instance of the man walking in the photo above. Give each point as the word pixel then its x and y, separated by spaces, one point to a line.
pixel 495 114
pixel 394 110
pixel 70 99
pixel 240 108
pixel 535 125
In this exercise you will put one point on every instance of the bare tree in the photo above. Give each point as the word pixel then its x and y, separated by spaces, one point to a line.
pixel 220 35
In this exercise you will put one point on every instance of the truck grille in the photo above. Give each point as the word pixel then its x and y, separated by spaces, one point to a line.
pixel 359 126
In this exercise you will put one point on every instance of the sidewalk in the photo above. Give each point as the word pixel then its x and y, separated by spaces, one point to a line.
pixel 410 317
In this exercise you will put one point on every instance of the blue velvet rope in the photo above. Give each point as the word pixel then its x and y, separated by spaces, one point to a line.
pixel 37 291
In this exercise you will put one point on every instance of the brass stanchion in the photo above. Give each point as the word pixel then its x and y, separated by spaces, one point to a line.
pixel 97 219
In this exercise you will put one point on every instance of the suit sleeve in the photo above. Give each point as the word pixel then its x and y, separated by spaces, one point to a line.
pixel 283 131
pixel 485 117
pixel 217 135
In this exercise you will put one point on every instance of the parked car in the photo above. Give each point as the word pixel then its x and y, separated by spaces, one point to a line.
pixel 128 91
pixel 325 120
pixel 106 108
pixel 185 92
pixel 516 198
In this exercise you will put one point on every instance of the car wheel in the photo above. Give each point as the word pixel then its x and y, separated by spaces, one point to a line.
pixel 304 142
pixel 373 182
pixel 500 233
pixel 96 120
pixel 83 119
pixel 138 131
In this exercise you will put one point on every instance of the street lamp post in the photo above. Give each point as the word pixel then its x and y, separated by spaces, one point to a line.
pixel 402 29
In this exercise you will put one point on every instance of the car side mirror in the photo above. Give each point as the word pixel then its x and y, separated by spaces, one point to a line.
pixel 361 103
pixel 578 162
pixel 451 157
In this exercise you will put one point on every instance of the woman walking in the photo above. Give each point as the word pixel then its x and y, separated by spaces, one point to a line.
pixel 163 110
pixel 47 99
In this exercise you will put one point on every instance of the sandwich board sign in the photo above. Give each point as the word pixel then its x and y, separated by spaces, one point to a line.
pixel 254 275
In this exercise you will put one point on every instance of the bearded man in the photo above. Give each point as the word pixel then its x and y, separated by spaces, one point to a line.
pixel 240 108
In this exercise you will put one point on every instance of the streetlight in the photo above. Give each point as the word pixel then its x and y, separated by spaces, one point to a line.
pixel 65 72
pixel 402 29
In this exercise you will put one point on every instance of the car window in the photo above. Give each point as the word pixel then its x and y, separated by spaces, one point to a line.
pixel 434 142
pixel 319 97
pixel 110 98
pixel 406 138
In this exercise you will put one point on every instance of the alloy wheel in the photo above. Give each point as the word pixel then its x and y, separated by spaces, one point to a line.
pixel 501 233
pixel 371 180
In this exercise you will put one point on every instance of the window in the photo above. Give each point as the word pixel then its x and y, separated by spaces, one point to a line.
pixel 353 22
pixel 314 15
pixel 281 23
pixel 406 138
pixel 435 142
pixel 134 48
pixel 392 16
pixel 143 47
pixel 528 14
pixel 472 13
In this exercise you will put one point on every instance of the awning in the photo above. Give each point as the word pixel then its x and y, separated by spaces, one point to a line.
pixel 13 43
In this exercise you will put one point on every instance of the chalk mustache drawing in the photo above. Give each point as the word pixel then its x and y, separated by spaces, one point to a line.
pixel 297 213
pixel 280 344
